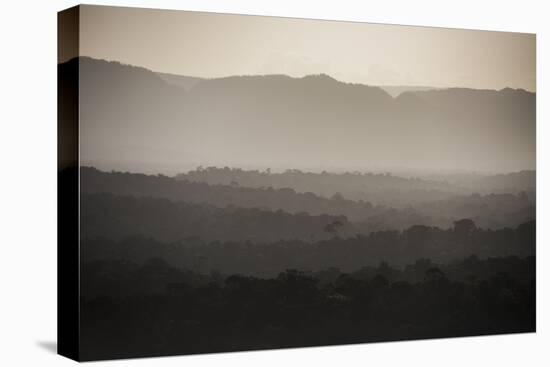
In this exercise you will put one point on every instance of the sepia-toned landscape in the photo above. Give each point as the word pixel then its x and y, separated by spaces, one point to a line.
pixel 292 198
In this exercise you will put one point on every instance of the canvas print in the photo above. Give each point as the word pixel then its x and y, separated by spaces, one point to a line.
pixel 236 182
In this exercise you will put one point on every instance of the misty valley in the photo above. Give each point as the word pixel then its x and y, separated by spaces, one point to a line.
pixel 221 259
pixel 268 211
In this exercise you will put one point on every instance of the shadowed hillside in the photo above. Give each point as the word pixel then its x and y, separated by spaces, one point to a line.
pixel 493 210
pixel 378 188
pixel 288 200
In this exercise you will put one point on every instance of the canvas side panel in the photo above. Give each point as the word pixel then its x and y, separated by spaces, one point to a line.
pixel 68 184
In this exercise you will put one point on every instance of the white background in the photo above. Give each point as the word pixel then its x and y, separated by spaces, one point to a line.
pixel 28 184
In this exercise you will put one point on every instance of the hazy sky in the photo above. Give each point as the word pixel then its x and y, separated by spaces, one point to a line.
pixel 216 45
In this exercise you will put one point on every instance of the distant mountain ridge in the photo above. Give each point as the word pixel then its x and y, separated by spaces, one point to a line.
pixel 151 125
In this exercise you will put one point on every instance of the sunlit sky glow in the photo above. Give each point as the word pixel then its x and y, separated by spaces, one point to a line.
pixel 216 45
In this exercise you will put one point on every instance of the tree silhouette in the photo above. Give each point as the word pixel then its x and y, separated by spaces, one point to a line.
pixel 333 227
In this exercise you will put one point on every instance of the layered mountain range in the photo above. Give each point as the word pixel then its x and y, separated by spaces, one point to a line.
pixel 138 120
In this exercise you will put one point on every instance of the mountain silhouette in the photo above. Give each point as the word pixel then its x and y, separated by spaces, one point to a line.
pixel 152 125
